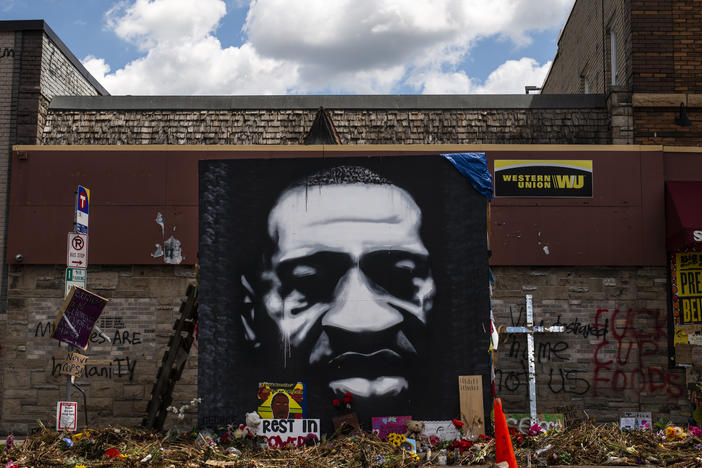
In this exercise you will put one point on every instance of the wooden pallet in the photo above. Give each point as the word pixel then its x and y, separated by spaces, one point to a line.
pixel 173 362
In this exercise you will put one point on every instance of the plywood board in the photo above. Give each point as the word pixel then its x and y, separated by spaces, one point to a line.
pixel 470 388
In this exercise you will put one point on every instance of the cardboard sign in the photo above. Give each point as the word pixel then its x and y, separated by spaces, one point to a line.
pixel 77 316
pixel 73 364
pixel 66 416
pixel 283 432
pixel 444 430
pixel 390 425
pixel 470 388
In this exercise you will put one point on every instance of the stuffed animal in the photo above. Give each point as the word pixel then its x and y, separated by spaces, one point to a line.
pixel 253 421
pixel 414 429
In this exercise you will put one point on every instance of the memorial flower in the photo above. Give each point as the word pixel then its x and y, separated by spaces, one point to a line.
pixel 461 445
pixel 535 430
pixel 396 439
pixel 693 431
pixel 112 453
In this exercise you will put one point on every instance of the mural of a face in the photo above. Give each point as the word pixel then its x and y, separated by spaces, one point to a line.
pixel 349 284
pixel 280 406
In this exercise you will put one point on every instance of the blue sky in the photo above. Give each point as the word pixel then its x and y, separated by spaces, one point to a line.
pixel 306 46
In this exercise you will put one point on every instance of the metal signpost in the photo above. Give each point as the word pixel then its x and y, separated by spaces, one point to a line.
pixel 530 329
pixel 77 260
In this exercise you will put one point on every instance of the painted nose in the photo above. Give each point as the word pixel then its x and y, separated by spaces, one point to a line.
pixel 357 308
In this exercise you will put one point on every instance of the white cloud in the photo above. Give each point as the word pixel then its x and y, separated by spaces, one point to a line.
pixel 508 78
pixel 513 75
pixel 303 46
pixel 182 55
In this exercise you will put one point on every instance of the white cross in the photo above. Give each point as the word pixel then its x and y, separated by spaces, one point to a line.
pixel 530 329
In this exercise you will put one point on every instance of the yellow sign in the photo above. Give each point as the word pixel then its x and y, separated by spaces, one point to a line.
pixel 543 178
pixel 281 401
pixel 688 282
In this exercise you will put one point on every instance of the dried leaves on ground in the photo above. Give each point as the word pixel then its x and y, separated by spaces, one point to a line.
pixel 585 444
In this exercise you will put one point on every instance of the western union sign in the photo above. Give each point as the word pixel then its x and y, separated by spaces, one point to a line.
pixel 543 178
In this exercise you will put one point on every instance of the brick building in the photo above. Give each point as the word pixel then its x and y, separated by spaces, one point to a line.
pixel 655 52
pixel 597 266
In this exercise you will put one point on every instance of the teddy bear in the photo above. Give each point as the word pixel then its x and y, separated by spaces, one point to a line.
pixel 253 421
pixel 414 429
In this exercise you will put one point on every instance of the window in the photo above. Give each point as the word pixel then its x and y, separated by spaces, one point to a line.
pixel 613 56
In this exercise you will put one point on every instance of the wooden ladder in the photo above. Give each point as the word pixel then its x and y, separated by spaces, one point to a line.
pixel 173 362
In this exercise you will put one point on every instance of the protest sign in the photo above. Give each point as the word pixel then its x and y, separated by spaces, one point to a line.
pixel 77 316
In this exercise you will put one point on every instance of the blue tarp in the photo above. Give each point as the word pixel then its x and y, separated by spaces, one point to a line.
pixel 474 167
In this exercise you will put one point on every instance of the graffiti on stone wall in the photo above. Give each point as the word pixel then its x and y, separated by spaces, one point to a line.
pixel 111 369
pixel 549 355
pixel 109 346
pixel 623 359
pixel 6 52
pixel 625 348
pixel 120 336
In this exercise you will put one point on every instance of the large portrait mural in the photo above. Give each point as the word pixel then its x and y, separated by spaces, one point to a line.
pixel 361 275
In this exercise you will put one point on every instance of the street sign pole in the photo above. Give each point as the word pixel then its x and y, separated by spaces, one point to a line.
pixel 77 260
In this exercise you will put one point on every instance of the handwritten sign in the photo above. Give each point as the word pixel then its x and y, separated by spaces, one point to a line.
pixel 390 425
pixel 280 433
pixel 73 364
pixel 66 416
pixel 470 391
pixel 77 316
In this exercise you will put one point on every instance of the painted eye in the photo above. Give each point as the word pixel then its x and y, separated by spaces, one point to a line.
pixel 314 277
pixel 396 272
pixel 301 271
pixel 406 264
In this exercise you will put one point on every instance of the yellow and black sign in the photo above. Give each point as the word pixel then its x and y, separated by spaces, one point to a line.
pixel 687 291
pixel 543 178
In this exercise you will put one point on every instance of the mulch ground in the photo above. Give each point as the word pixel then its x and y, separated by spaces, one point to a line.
pixel 585 444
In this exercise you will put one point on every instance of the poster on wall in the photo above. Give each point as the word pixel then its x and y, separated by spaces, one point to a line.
pixel 360 275
pixel 281 400
pixel 686 270
pixel 543 178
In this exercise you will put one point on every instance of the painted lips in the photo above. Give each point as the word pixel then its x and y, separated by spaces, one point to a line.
pixel 369 365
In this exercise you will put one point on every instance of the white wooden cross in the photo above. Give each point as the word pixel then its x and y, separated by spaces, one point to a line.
pixel 530 329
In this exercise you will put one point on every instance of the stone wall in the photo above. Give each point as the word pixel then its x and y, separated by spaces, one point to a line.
pixel 612 357
pixel 59 77
pixel 584 49
pixel 667 52
pixel 657 126
pixel 144 303
pixel 382 126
